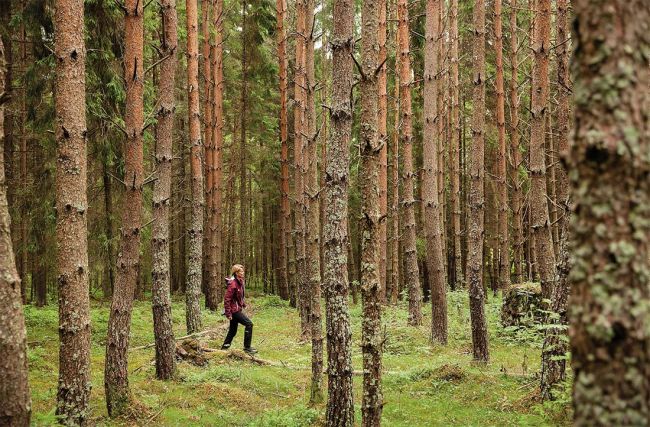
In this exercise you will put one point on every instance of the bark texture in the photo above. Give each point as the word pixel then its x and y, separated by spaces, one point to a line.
pixel 610 166
pixel 195 230
pixel 340 405
pixel 371 147
pixel 160 287
pixel 216 227
pixel 73 395
pixel 476 172
pixel 432 206
pixel 411 273
pixel 539 216
pixel 116 381
pixel 454 169
pixel 15 401
pixel 382 80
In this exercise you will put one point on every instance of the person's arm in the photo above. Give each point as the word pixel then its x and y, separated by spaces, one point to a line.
pixel 227 301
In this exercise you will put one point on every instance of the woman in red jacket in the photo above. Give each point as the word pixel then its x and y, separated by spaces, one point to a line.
pixel 233 303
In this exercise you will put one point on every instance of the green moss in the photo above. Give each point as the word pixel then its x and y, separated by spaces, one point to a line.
pixel 422 385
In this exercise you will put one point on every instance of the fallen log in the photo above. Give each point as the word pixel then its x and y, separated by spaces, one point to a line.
pixel 194 335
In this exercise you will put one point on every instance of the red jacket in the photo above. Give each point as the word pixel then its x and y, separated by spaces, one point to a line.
pixel 233 300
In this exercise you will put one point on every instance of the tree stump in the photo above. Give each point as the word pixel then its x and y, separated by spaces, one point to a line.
pixel 522 304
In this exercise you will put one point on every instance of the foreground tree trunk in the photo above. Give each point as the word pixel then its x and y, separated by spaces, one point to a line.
pixel 539 217
pixel 195 231
pixel 160 289
pixel 371 147
pixel 476 193
pixel 383 139
pixel 610 161
pixel 554 352
pixel 73 396
pixel 340 405
pixel 411 274
pixel 15 401
pixel 285 218
pixel 116 381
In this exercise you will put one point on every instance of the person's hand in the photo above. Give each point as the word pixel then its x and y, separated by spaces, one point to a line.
pixel 229 317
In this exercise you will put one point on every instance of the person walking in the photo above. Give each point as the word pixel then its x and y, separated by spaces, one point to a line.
pixel 234 304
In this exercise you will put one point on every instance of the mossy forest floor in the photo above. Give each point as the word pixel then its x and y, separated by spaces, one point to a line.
pixel 423 385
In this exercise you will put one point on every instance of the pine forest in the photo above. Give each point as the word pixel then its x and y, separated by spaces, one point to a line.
pixel 325 213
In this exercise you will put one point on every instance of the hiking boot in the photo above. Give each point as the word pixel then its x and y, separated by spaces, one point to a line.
pixel 250 350
pixel 225 347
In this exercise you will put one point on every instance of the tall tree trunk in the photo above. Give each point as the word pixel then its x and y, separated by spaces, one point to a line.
pixel 300 129
pixel 211 286
pixel 285 215
pixel 476 227
pixel 116 382
pixel 312 235
pixel 383 139
pixel 23 226
pixel 610 164
pixel 432 216
pixel 73 396
pixel 195 231
pixel 216 226
pixel 517 204
pixel 503 253
pixel 455 170
pixel 242 237
pixel 394 153
pixel 6 35
pixel 372 142
pixel 540 222
pixel 340 406
pixel 555 345
pixel 412 274
pixel 15 401
pixel 160 289
pixel 109 281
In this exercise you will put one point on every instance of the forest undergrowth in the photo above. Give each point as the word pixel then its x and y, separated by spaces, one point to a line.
pixel 423 385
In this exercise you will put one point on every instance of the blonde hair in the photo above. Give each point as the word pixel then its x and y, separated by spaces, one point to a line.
pixel 235 268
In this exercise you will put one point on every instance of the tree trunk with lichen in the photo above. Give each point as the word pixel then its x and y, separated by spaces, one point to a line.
pixel 195 230
pixel 116 382
pixel 217 163
pixel 411 274
pixel 340 405
pixel 432 215
pixel 15 401
pixel 382 82
pixel 610 231
pixel 160 241
pixel 476 193
pixel 371 146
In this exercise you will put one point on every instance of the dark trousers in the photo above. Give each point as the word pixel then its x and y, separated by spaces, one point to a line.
pixel 238 318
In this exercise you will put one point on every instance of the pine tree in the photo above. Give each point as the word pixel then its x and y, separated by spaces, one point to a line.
pixel 195 231
pixel 371 147
pixel 216 221
pixel 455 170
pixel 160 287
pixel 610 165
pixel 476 192
pixel 406 141
pixel 116 382
pixel 15 401
pixel 340 405
pixel 432 215
pixel 540 220
pixel 383 138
